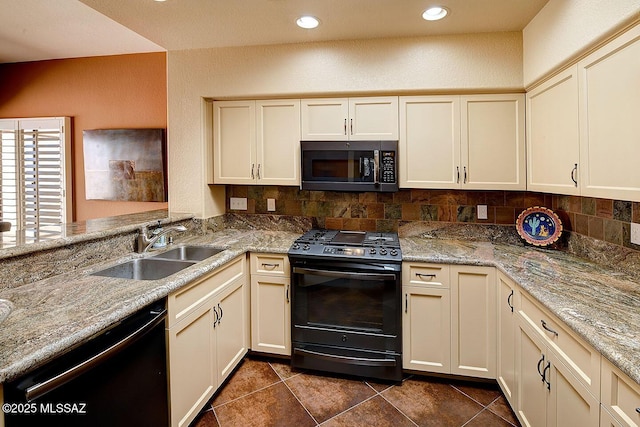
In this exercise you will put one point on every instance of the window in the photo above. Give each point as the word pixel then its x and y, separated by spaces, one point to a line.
pixel 35 173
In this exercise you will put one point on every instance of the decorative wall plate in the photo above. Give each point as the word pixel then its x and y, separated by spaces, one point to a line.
pixel 539 226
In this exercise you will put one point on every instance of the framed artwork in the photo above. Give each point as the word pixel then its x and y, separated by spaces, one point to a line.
pixel 125 164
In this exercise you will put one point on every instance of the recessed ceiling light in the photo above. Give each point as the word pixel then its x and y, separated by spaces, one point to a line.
pixel 308 22
pixel 435 13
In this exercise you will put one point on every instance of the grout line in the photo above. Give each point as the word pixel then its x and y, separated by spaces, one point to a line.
pixel 350 408
pixel 299 401
pixel 498 415
pixel 248 394
pixel 474 417
pixel 396 408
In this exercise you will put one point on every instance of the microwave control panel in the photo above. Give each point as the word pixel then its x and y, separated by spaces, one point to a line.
pixel 388 167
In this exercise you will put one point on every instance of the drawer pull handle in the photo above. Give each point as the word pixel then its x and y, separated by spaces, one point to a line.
pixel 638 410
pixel 270 266
pixel 287 294
pixel 422 276
pixel 406 303
pixel 509 300
pixel 544 325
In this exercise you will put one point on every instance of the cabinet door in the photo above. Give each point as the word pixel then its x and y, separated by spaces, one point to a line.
pixel 373 118
pixel 270 314
pixel 620 395
pixel 473 321
pixel 232 334
pixel 324 119
pixel 570 403
pixel 192 371
pixel 429 146
pixel 553 135
pixel 531 406
pixel 426 329
pixel 278 142
pixel 506 368
pixel 492 139
pixel 234 142
pixel 609 125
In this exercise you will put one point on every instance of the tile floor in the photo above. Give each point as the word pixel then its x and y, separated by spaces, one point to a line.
pixel 267 392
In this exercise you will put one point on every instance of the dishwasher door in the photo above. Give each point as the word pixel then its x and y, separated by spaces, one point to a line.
pixel 118 378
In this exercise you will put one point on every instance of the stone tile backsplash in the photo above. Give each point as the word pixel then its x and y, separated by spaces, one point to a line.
pixel 602 219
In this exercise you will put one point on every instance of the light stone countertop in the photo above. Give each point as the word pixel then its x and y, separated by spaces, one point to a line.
pixel 53 314
pixel 600 305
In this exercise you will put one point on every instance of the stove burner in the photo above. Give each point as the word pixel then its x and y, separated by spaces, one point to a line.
pixel 369 246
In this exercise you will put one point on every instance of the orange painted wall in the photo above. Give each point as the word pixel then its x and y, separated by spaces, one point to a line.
pixel 107 92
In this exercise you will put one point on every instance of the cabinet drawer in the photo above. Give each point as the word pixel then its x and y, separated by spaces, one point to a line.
pixel 620 395
pixel 581 359
pixel 270 264
pixel 183 301
pixel 431 275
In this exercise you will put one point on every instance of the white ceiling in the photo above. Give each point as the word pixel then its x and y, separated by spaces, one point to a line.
pixel 49 29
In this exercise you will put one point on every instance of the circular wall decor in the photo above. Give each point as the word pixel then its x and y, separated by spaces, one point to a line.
pixel 539 226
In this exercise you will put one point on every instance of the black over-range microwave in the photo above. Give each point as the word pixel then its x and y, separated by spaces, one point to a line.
pixel 349 165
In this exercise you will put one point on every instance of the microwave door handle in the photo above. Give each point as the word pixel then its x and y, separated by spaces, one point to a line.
pixel 376 168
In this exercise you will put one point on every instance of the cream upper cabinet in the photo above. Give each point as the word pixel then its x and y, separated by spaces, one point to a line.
pixel 471 142
pixel 256 142
pixel 492 136
pixel 429 145
pixel 342 119
pixel 278 142
pixel 609 125
pixel 553 135
pixel 234 142
pixel 426 318
pixel 506 366
pixel 473 321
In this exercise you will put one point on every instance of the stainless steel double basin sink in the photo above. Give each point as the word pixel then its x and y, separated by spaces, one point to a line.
pixel 161 265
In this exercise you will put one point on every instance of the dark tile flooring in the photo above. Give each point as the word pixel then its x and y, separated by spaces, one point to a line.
pixel 267 392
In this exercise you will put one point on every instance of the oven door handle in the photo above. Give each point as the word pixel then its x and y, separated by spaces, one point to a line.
pixel 346 359
pixel 344 274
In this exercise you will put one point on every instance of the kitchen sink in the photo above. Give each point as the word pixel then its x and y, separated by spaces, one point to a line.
pixel 189 253
pixel 5 309
pixel 144 269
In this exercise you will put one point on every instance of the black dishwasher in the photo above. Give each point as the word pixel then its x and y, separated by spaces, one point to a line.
pixel 118 378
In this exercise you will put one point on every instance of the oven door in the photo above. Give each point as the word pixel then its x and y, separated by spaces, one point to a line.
pixel 343 306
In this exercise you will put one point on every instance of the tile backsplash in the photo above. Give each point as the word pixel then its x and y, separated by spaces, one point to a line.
pixel 601 219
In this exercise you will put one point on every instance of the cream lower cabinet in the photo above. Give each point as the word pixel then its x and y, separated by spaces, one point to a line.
pixel 426 318
pixel 208 335
pixel 473 321
pixel 558 374
pixel 620 397
pixel 449 319
pixel 506 363
pixel 548 393
pixel 270 304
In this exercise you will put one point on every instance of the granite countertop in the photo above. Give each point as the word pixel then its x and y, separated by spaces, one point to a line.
pixel 600 305
pixel 53 314
pixel 21 242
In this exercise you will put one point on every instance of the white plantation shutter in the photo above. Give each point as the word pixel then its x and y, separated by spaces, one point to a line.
pixel 34 186
pixel 9 166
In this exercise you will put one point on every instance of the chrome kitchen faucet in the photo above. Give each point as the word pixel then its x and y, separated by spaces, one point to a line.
pixel 145 242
